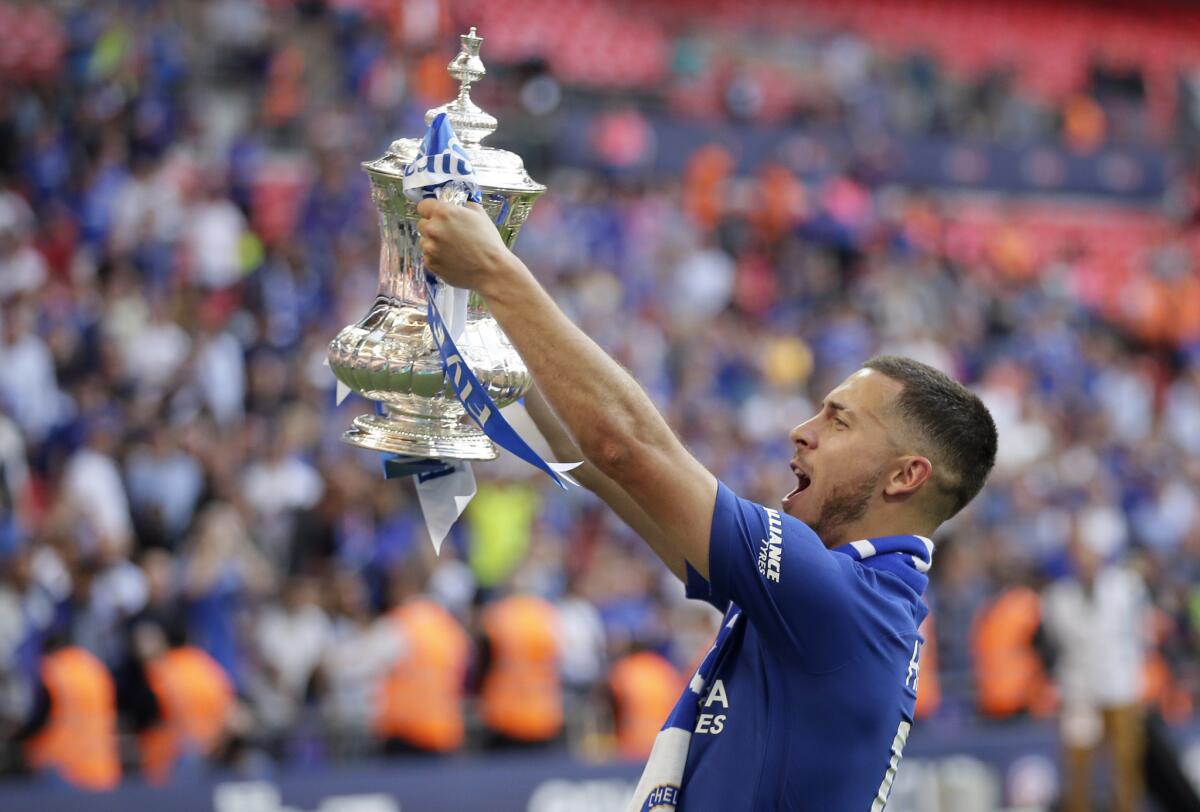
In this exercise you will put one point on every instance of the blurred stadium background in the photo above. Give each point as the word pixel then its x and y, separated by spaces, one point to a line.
pixel 746 200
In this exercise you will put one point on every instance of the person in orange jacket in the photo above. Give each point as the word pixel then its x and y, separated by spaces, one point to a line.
pixel 521 695
pixel 193 701
pixel 929 684
pixel 419 706
pixel 1010 677
pixel 71 731
pixel 644 688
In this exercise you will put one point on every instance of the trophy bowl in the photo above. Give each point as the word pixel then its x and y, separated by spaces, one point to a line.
pixel 389 356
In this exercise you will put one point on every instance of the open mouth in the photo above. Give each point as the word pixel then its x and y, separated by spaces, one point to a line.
pixel 803 480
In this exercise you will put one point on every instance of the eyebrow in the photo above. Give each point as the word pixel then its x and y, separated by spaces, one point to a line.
pixel 838 407
pixel 850 413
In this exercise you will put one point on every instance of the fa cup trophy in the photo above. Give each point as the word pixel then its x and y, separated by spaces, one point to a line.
pixel 390 356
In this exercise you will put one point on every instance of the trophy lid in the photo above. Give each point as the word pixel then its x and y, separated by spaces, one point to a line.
pixel 496 169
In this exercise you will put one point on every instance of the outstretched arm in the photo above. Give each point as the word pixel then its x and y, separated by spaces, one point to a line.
pixel 589 476
pixel 611 418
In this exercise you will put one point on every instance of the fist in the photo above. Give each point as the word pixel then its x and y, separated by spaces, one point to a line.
pixel 461 244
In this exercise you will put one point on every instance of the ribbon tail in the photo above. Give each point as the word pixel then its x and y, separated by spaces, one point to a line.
pixel 443 498
pixel 342 391
pixel 561 469
pixel 458 312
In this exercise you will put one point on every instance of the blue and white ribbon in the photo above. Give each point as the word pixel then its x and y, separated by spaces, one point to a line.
pixel 441 166
pixel 661 783
pixel 478 405
pixel 442 170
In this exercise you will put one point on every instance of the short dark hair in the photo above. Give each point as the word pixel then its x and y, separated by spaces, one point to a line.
pixel 948 422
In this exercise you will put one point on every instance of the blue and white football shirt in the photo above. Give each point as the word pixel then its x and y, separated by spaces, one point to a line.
pixel 812 695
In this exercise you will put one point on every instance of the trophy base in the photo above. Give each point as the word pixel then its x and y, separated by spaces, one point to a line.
pixel 420 437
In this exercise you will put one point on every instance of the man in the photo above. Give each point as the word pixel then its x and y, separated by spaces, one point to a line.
pixel 186 719
pixel 71 730
pixel 806 699
pixel 1098 619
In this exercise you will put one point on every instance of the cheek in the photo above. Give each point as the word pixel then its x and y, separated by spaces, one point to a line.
pixel 853 457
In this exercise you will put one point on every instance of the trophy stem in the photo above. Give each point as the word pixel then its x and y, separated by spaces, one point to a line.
pixel 419 436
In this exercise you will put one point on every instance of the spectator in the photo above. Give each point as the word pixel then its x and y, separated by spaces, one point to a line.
pixel 223 570
pixel 521 690
pixel 1098 621
pixel 278 485
pixel 645 687
pixel 165 486
pixel 361 649
pixel 213 236
pixel 419 707
pixel 73 686
pixel 14 483
pixel 93 493
pixel 28 384
pixel 193 699
pixel 22 268
pixel 290 640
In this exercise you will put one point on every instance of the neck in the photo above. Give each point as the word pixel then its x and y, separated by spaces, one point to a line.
pixel 877 526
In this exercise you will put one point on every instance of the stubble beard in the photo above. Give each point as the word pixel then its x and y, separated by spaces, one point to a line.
pixel 844 505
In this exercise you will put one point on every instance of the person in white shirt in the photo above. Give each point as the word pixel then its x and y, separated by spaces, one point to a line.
pixel 93 494
pixel 1098 621
pixel 28 383
pixel 291 638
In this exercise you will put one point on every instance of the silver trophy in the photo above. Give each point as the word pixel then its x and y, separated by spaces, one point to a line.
pixel 389 356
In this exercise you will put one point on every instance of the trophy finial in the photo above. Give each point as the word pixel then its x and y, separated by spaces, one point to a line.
pixel 467 67
pixel 470 123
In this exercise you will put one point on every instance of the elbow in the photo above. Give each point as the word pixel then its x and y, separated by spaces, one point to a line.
pixel 609 455
pixel 613 455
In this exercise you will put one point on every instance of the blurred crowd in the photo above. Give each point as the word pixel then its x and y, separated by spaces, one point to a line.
pixel 184 227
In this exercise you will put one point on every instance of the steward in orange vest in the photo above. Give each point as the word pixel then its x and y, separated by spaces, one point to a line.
pixel 521 700
pixel 929 686
pixel 645 687
pixel 1009 673
pixel 1162 691
pixel 73 728
pixel 195 700
pixel 420 702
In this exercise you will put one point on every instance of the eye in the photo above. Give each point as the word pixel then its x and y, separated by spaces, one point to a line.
pixel 840 422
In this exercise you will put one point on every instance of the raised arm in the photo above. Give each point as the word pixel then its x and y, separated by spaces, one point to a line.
pixel 611 418
pixel 589 476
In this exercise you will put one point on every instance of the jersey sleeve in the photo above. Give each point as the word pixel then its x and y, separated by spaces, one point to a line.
pixel 699 589
pixel 798 594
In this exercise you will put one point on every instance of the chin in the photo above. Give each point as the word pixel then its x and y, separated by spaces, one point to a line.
pixel 797 511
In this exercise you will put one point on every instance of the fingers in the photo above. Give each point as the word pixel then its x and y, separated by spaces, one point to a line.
pixel 431 209
pixel 428 207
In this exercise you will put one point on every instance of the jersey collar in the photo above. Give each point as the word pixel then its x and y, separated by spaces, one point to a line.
pixel 909 557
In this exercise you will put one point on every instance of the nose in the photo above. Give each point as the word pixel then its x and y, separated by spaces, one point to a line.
pixel 804 435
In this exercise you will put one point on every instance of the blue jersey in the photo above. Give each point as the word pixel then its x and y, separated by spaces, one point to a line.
pixel 812 693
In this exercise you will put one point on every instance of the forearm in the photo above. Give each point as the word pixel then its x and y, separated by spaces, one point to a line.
pixel 602 406
pixel 560 442
pixel 590 477
pixel 611 418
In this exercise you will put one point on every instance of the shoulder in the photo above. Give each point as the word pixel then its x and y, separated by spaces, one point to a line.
pixel 1126 580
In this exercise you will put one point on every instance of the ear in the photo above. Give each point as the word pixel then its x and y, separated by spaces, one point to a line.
pixel 911 475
